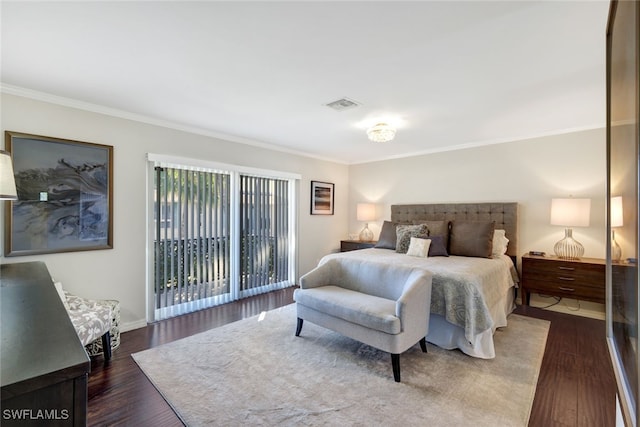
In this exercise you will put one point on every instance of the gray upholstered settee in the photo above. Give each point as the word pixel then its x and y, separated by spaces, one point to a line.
pixel 384 306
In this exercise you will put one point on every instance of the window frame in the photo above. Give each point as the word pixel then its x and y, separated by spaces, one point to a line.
pixel 235 171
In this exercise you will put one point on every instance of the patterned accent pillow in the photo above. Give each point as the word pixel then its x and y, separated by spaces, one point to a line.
pixel 404 234
pixel 419 247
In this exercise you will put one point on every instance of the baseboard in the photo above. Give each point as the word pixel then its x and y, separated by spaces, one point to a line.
pixel 130 326
pixel 570 306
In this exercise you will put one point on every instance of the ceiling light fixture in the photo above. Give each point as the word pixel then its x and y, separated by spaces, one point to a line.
pixel 381 132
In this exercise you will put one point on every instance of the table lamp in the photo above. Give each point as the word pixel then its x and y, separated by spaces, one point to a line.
pixel 616 221
pixel 570 213
pixel 366 212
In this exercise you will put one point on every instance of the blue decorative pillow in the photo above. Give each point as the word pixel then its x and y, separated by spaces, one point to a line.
pixel 437 247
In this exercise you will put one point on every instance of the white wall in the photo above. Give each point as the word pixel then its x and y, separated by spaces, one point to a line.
pixel 530 172
pixel 119 273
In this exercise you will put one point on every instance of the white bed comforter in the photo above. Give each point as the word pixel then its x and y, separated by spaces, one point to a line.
pixel 464 289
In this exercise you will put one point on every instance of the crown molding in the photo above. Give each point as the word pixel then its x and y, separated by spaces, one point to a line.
pixel 123 114
pixel 483 143
pixel 114 112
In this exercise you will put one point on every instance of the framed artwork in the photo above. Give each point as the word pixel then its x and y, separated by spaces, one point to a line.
pixel 65 196
pixel 322 198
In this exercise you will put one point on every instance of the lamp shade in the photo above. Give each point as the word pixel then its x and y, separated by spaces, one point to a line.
pixel 570 212
pixel 7 181
pixel 616 212
pixel 366 212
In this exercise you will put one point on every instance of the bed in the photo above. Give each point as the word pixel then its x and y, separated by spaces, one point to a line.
pixel 472 295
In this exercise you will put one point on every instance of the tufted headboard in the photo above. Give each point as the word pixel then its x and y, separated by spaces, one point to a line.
pixel 505 216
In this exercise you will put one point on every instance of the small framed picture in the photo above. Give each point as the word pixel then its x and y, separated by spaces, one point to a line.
pixel 322 198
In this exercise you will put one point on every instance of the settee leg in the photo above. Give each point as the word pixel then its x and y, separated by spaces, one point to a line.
pixel 395 363
pixel 106 346
pixel 299 327
pixel 423 345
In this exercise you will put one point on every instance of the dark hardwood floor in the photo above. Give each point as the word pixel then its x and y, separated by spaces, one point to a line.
pixel 575 388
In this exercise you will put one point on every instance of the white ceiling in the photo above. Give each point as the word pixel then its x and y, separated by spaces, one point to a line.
pixel 451 74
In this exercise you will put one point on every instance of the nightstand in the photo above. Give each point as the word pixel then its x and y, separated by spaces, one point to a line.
pixel 582 279
pixel 352 245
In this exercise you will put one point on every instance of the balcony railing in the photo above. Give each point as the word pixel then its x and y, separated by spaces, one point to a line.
pixel 191 269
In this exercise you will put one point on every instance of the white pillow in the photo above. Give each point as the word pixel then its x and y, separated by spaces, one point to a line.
pixel 419 247
pixel 500 243
pixel 58 286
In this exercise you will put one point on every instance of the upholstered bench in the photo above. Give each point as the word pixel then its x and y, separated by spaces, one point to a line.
pixel 386 307
pixel 93 321
pixel 95 348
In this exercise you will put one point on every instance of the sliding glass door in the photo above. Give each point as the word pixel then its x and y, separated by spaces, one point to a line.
pixel 264 234
pixel 218 235
pixel 623 217
pixel 192 245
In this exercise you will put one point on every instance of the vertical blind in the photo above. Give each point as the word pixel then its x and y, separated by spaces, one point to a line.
pixel 264 232
pixel 193 240
pixel 218 236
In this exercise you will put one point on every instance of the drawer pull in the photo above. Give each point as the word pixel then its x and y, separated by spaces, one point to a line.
pixel 562 288
pixel 566 279
pixel 566 268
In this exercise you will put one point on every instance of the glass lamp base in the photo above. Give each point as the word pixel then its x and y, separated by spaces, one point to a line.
pixel 616 252
pixel 366 235
pixel 568 247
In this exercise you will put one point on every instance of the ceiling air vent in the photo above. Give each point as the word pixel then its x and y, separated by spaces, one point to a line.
pixel 343 104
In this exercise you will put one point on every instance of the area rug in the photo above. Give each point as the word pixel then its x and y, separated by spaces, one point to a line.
pixel 256 372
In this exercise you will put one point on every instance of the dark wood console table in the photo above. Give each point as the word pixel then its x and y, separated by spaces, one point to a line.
pixel 43 366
